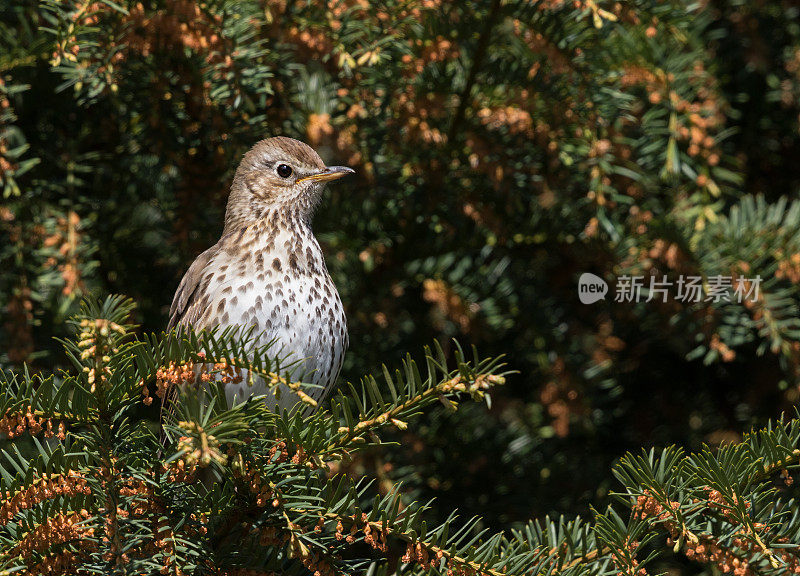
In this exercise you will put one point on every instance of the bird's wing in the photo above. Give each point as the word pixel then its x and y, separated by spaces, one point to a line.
pixel 181 309
pixel 187 291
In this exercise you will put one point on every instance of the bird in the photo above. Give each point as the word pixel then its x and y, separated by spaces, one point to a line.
pixel 267 272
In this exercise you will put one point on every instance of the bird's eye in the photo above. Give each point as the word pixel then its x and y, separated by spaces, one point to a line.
pixel 284 170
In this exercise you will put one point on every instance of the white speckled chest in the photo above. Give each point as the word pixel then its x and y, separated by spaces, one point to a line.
pixel 276 281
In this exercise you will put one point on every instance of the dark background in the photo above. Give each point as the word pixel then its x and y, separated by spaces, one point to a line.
pixel 501 149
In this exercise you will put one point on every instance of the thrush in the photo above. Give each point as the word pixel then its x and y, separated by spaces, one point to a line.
pixel 267 272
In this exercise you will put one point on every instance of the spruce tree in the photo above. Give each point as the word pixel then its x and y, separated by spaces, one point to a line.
pixel 502 149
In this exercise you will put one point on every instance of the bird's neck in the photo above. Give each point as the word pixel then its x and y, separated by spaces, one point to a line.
pixel 279 237
pixel 281 240
pixel 267 218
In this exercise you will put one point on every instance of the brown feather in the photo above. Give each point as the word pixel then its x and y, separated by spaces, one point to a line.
pixel 267 271
pixel 187 291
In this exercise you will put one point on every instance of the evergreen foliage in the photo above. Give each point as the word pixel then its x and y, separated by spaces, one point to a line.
pixel 242 490
pixel 502 148
pixel 233 488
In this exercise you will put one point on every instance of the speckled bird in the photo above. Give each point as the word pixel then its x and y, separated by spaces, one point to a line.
pixel 267 271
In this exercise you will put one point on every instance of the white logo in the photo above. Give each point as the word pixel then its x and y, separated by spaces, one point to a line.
pixel 692 289
pixel 591 288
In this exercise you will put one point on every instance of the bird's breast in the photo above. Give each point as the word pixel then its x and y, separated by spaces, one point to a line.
pixel 284 293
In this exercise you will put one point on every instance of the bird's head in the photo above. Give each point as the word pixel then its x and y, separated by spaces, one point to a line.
pixel 280 173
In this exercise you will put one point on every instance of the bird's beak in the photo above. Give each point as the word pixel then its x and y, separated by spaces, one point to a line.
pixel 329 173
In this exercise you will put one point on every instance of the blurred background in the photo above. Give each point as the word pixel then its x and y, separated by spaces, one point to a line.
pixel 502 148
